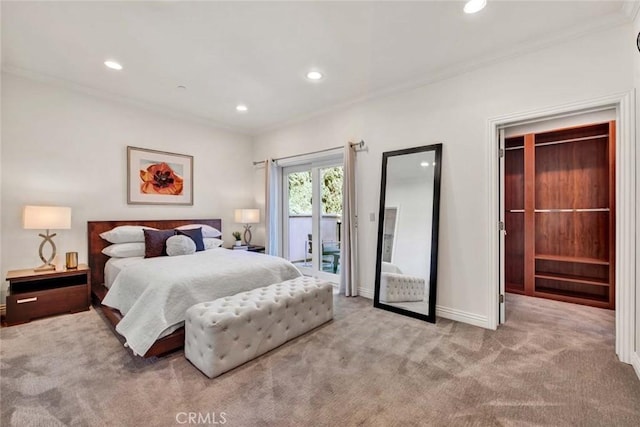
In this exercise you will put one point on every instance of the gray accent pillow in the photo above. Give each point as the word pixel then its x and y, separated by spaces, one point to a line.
pixel 180 245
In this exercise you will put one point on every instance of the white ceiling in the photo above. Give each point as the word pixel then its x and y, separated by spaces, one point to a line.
pixel 257 53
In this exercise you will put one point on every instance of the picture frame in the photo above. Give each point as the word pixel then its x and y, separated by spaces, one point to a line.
pixel 158 177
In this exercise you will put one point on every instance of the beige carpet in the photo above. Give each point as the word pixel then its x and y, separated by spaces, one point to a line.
pixel 551 364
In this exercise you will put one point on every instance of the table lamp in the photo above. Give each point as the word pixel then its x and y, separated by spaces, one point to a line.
pixel 247 217
pixel 46 218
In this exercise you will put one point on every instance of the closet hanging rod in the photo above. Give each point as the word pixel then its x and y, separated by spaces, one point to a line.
pixel 358 146
pixel 573 210
pixel 586 138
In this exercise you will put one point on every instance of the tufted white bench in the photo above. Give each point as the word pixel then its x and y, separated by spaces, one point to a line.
pixel 396 287
pixel 230 331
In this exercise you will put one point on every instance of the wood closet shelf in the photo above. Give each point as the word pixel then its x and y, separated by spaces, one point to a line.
pixel 515 288
pixel 573 297
pixel 563 258
pixel 559 198
pixel 573 279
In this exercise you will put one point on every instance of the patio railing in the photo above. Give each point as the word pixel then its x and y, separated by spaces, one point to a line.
pixel 300 229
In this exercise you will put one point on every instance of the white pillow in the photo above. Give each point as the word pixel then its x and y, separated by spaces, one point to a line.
pixel 125 234
pixel 211 243
pixel 207 230
pixel 180 245
pixel 124 250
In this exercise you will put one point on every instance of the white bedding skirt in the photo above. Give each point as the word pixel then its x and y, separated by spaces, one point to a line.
pixel 154 294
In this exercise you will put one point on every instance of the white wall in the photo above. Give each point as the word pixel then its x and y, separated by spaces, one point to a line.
pixel 455 112
pixel 66 148
pixel 636 79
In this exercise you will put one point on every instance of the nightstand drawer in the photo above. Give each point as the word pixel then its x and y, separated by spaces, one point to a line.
pixel 25 306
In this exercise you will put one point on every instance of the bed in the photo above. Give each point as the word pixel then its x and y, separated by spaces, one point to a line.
pixel 148 297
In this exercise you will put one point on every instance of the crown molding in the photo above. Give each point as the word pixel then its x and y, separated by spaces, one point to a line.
pixel 631 9
pixel 109 96
pixel 594 26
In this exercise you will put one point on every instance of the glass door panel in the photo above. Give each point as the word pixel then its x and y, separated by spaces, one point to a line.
pixel 298 217
pixel 331 218
pixel 312 208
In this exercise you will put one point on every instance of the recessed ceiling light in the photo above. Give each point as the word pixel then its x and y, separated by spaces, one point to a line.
pixel 424 164
pixel 242 108
pixel 113 65
pixel 314 75
pixel 474 6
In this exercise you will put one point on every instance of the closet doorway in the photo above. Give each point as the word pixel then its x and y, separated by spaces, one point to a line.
pixel 558 210
pixel 626 215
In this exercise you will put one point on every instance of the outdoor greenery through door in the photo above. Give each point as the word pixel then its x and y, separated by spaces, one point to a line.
pixel 302 226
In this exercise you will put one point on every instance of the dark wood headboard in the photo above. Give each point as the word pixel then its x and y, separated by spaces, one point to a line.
pixel 97 259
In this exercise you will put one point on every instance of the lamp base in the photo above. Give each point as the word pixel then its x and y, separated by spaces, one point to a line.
pixel 247 234
pixel 45 267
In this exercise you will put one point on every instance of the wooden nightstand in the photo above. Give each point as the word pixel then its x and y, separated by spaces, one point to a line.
pixel 250 248
pixel 39 294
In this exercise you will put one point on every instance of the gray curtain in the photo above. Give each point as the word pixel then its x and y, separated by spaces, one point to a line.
pixel 270 207
pixel 349 245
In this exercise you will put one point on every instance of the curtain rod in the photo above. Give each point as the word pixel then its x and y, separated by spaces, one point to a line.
pixel 358 147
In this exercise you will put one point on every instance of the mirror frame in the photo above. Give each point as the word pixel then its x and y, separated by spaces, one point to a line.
pixel 431 317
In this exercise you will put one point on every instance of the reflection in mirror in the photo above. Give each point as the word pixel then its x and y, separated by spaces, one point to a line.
pixel 406 266
pixel 390 216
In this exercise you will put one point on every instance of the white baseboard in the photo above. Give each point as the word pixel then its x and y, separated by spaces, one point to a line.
pixel 462 316
pixel 445 312
pixel 365 293
pixel 635 362
pixel 3 309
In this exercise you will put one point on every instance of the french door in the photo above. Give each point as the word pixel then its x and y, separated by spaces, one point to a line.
pixel 312 217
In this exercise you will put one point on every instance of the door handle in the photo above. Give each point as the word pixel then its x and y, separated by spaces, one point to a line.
pixel 22 301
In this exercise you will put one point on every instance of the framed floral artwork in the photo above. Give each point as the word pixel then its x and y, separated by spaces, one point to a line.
pixel 159 178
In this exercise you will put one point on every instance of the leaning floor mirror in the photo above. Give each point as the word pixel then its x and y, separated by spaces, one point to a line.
pixel 407 259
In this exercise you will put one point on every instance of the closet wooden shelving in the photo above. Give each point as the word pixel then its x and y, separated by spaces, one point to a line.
pixel 560 214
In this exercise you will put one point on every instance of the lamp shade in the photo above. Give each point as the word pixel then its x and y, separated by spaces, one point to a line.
pixel 247 216
pixel 46 218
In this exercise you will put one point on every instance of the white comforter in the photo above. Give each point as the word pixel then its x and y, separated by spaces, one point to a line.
pixel 155 294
